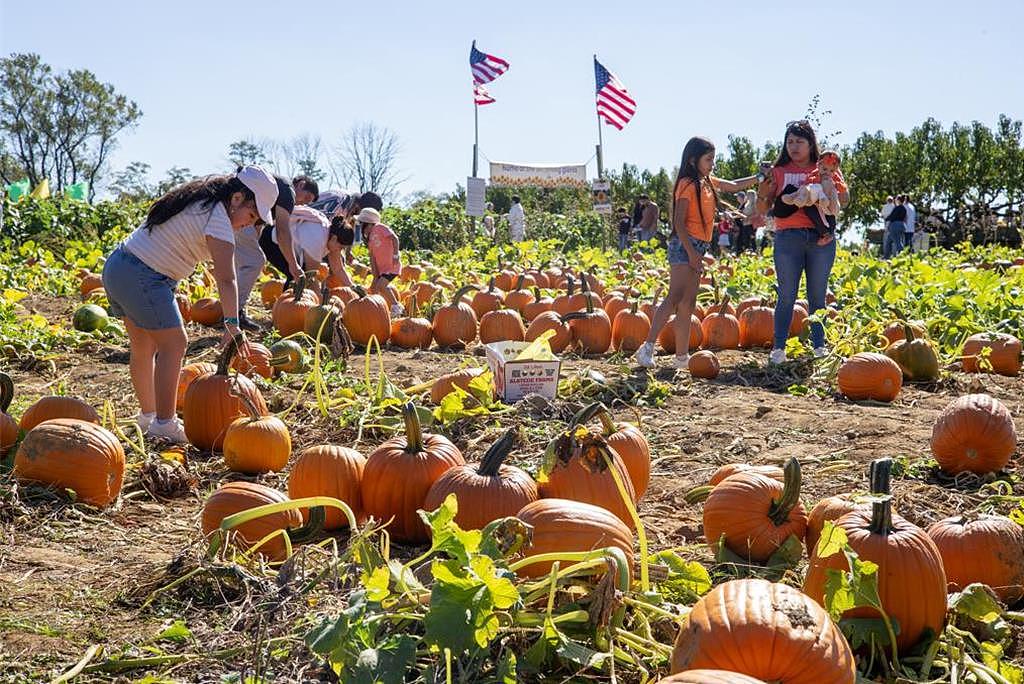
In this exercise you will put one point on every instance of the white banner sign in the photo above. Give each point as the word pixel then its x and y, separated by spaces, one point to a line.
pixel 475 190
pixel 540 175
pixel 602 193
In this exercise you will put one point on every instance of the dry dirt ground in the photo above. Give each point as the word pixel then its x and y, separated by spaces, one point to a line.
pixel 70 577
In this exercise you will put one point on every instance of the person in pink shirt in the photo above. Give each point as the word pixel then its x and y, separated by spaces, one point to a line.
pixel 385 261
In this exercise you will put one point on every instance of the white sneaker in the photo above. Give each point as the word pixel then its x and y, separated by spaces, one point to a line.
pixel 397 310
pixel 645 356
pixel 171 431
pixel 820 352
pixel 682 362
pixel 777 356
pixel 144 420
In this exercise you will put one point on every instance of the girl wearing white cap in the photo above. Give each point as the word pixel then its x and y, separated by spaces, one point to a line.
pixel 385 263
pixel 192 223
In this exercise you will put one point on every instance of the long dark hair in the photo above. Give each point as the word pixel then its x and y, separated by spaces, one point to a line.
pixel 801 129
pixel 207 191
pixel 694 149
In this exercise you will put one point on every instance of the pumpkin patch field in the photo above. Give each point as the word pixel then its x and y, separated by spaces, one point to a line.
pixel 358 504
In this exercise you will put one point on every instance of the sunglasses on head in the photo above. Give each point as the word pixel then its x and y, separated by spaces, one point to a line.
pixel 801 123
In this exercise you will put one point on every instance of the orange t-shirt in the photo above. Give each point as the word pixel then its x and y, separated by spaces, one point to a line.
pixel 695 227
pixel 798 176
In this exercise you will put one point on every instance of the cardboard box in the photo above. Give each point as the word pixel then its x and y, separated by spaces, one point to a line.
pixel 514 379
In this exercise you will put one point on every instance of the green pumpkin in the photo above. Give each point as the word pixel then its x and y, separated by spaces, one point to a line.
pixel 89 318
pixel 288 356
pixel 915 356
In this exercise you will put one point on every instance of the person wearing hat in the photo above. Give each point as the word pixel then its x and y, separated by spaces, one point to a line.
pixel 192 223
pixel 385 262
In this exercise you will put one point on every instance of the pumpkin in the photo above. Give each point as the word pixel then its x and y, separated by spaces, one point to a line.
pixel 367 317
pixel 704 364
pixel 518 298
pixel 561 525
pixel 766 630
pixel 412 332
pixel 184 306
pixel 1004 357
pixel 289 312
pixel 627 441
pixel 426 290
pixel 798 324
pixel 974 433
pixel 501 325
pixel 270 291
pixel 550 320
pixel 188 373
pixel 504 278
pixel 757 325
pixel 8 426
pixel 896 331
pixel 915 356
pixel 590 281
pixel 584 468
pixel 259 362
pixel 235 497
pixel 207 311
pixel 89 282
pixel 911 581
pixel 47 408
pixel 774 472
pixel 748 303
pixel 410 273
pixel 89 318
pixel 721 329
pixel 870 375
pixel 487 300
pixel 539 305
pixel 591 329
pixel 984 548
pixel 487 491
pixel 444 384
pixel 586 298
pixel 630 329
pixel 399 474
pixel 667 336
pixel 329 470
pixel 828 509
pixel 257 442
pixel 212 402
pixel 753 514
pixel 614 304
pixel 288 356
pixel 455 324
pixel 320 321
pixel 563 304
pixel 709 677
pixel 69 453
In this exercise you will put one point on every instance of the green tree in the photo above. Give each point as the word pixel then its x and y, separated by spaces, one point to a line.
pixel 176 175
pixel 245 152
pixel 132 183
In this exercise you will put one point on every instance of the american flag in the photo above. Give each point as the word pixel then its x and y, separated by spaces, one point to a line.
pixel 485 67
pixel 481 96
pixel 614 104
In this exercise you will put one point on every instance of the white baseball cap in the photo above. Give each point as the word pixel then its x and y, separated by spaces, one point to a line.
pixel 263 186
pixel 369 215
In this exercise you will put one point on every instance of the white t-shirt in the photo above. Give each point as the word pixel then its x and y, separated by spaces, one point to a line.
pixel 309 233
pixel 911 217
pixel 517 222
pixel 176 246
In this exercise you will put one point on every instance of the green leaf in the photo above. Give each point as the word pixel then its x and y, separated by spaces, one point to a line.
pixel 992 656
pixel 977 603
pixel 463 601
pixel 577 653
pixel 376 583
pixel 386 664
pixel 838 595
pixel 1017 515
pixel 862 632
pixel 540 653
pixel 176 631
pixel 686 579
pixel 507 668
pixel 503 592
pixel 832 540
pixel 788 554
pixel 446 536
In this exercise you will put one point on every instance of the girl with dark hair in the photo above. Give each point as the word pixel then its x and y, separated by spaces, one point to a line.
pixel 797 249
pixel 192 223
pixel 315 238
pixel 693 216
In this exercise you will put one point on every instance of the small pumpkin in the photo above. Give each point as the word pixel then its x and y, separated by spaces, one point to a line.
pixel 50 407
pixel 1004 356
pixel 9 430
pixel 519 298
pixel 257 442
pixel 915 356
pixel 235 497
pixel 89 318
pixel 539 305
pixel 562 525
pixel 329 470
pixel 320 321
pixel 367 317
pixel 974 433
pixel 412 331
pixel 983 548
pixel 207 311
pixel 630 328
pixel 501 325
pixel 627 441
pixel 289 312
pixel 591 329
pixel 896 331
pixel 188 373
pixel 704 364
pixel 550 320
pixel 270 291
pixel 184 306
pixel 774 472
pixel 829 509
pixel 89 283
pixel 487 300
pixel 455 324
pixel 486 491
pixel 564 303
pixel 444 384
pixel 259 363
pixel 757 325
pixel 288 356
pixel 870 375
pixel 721 329
pixel 667 336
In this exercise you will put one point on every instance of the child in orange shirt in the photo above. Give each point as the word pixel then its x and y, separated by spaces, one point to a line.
pixel 385 262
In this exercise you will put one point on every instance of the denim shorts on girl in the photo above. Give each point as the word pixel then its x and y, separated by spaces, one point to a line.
pixel 677 253
pixel 139 293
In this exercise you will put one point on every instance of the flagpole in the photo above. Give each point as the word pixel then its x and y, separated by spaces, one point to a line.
pixel 476 133
pixel 600 144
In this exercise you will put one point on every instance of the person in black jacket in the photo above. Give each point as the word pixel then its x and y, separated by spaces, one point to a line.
pixel 892 243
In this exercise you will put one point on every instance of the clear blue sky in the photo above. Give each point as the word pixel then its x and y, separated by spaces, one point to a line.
pixel 208 73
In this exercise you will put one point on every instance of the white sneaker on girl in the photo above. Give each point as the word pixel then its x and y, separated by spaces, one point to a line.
pixel 682 362
pixel 144 420
pixel 777 356
pixel 820 352
pixel 645 356
pixel 170 430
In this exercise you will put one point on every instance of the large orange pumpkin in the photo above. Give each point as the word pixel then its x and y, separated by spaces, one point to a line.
pixel 627 441
pixel 455 324
pixel 709 677
pixel 257 442
pixel 550 320
pixel 757 326
pixel 289 312
pixel 721 329
pixel 974 433
pixel 69 453
pixel 259 363
pixel 235 497
pixel 753 514
pixel 766 630
pixel 333 471
pixel 487 300
pixel 188 373
pixel 367 316
pixel 207 311
pixel 1004 357
pixel 911 580
pixel 412 331
pixel 8 426
pixel 485 491
pixel 667 336
pixel 630 328
pixel 47 408
pixel 501 325
pixel 870 375
pixel 984 548
pixel 591 329
pixel 399 474
pixel 774 472
pixel 561 525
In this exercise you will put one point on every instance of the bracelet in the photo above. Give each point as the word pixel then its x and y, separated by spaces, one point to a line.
pixel 231 321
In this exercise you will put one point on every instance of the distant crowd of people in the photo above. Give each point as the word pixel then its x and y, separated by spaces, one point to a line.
pixel 902 229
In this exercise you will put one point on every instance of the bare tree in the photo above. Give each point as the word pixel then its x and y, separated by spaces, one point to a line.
pixel 367 156
pixel 302 154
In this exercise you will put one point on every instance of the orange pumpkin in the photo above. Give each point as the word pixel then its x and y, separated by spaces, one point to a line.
pixel 258 363
pixel 870 375
pixel 90 282
pixel 766 630
pixel 709 677
pixel 984 548
pixel 591 329
pixel 519 298
pixel 774 472
pixel 721 329
pixel 208 312
pixel 486 491
pixel 798 323
pixel 412 332
pixel 188 373
pixel 460 378
pixel 270 291
pixel 630 328
pixel 704 364
pixel 563 304
pixel 550 320
pixel 333 471
pixel 289 312
pixel 399 474
pixel 614 304
pixel 367 317
pixel 757 326
pixel 184 307
pixel 257 442
pixel 896 331
pixel 501 325
pixel 667 336
pixel 455 324
pixel 974 433
pixel 47 408
pixel 539 305
pixel 235 497
pixel 561 525
pixel 8 426
pixel 1004 357
pixel 68 453
pixel 829 509
pixel 627 441
pixel 487 300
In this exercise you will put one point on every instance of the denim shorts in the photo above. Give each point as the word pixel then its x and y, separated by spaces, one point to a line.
pixel 677 253
pixel 139 293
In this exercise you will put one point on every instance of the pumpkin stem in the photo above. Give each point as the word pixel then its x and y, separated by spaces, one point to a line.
pixel 250 406
pixel 570 285
pixel 536 294
pixel 461 292
pixel 587 412
pixel 413 429
pixel 725 303
pixel 908 332
pixel 780 509
pixel 412 306
pixel 490 464
pixel 6 391
pixel 654 297
pixel 299 287
pixel 519 281
pixel 881 508
pixel 224 361
pixel 313 527
pixel 490 285
pixel 632 309
pixel 359 290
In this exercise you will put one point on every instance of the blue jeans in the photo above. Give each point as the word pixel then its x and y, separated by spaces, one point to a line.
pixel 623 241
pixel 892 243
pixel 137 292
pixel 677 253
pixel 796 253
